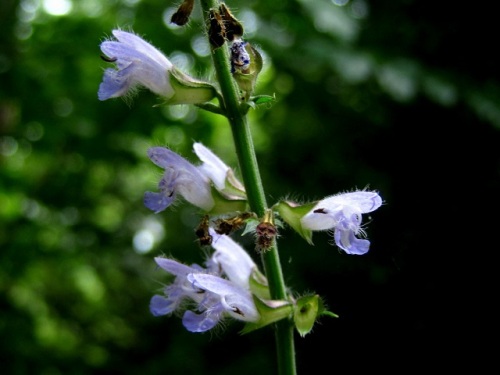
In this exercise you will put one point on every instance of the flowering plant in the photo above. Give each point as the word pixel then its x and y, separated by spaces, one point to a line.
pixel 229 285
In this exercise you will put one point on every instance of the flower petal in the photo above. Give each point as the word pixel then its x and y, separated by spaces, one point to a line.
pixel 175 268
pixel 160 305
pixel 238 302
pixel 347 241
pixel 166 158
pixel 234 260
pixel 319 219
pixel 141 45
pixel 363 201
pixel 182 177
pixel 199 322
pixel 212 167
pixel 240 307
pixel 157 202
pixel 113 85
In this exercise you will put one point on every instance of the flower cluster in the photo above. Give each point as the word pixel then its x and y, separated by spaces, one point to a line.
pixel 210 186
pixel 219 290
pixel 229 284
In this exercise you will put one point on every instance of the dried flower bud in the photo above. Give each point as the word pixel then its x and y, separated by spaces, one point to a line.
pixel 266 232
pixel 233 27
pixel 181 16
pixel 204 237
pixel 216 30
pixel 229 225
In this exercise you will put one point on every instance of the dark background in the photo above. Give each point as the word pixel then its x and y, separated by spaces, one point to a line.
pixel 402 97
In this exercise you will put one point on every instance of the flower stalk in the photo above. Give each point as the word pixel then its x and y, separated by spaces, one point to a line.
pixel 255 192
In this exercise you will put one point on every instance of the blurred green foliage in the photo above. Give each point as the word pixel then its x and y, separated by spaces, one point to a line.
pixel 399 96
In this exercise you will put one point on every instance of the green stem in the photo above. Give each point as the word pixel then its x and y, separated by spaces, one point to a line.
pixel 255 192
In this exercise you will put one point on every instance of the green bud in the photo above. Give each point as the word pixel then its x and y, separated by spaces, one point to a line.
pixel 246 64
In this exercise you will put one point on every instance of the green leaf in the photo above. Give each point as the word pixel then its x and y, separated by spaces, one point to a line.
pixel 262 99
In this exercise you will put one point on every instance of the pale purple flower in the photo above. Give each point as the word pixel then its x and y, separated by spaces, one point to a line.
pixel 190 181
pixel 138 62
pixel 214 296
pixel 342 214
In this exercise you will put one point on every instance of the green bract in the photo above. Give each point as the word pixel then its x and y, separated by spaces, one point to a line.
pixel 306 312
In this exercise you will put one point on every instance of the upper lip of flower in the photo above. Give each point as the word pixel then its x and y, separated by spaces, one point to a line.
pixel 140 45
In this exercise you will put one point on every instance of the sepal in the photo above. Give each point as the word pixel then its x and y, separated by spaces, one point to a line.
pixel 307 310
pixel 188 90
pixel 270 312
pixel 225 203
pixel 292 213
pixel 259 286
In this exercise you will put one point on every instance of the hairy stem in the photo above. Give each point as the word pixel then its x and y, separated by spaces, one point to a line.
pixel 245 150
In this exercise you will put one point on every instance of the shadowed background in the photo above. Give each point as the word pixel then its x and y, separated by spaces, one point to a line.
pixel 401 97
